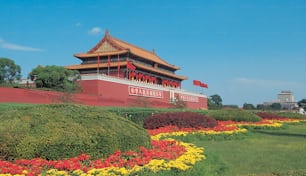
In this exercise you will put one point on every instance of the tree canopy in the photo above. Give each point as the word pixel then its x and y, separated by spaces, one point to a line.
pixel 9 71
pixel 215 102
pixel 55 77
pixel 248 106
pixel 276 106
pixel 302 103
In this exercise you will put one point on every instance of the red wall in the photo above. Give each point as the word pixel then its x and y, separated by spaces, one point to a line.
pixel 95 93
pixel 119 93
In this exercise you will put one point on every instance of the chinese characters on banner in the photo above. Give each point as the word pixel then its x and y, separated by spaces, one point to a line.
pixel 145 92
pixel 189 98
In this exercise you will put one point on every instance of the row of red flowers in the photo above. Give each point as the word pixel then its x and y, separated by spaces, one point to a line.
pixel 167 150
pixel 222 126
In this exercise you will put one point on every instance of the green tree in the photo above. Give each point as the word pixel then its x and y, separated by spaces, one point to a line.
pixel 260 107
pixel 9 71
pixel 55 77
pixel 215 102
pixel 248 106
pixel 276 106
pixel 302 103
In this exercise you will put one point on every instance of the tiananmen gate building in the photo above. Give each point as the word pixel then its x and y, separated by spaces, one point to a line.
pixel 128 75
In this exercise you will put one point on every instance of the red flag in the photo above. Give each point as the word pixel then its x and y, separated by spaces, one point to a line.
pixel 130 66
pixel 196 82
pixel 204 85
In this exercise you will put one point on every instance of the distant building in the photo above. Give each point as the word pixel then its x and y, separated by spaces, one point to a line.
pixel 285 97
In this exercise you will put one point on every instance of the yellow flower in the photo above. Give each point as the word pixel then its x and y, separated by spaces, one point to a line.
pixel 56 172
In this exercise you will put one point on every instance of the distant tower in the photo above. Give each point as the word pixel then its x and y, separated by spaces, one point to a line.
pixel 285 97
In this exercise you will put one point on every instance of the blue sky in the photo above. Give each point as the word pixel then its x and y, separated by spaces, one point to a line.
pixel 247 51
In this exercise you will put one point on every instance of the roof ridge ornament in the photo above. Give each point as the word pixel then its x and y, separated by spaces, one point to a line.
pixel 106 32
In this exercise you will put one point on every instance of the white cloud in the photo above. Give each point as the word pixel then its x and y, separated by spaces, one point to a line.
pixel 95 31
pixel 12 46
pixel 266 83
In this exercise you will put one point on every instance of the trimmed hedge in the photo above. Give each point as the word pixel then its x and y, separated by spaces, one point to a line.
pixel 234 115
pixel 291 115
pixel 278 115
pixel 64 131
pixel 179 119
pixel 269 116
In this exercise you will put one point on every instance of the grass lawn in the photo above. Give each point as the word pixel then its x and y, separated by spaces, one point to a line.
pixel 262 152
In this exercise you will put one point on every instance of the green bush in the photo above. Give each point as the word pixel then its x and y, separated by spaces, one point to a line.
pixel 234 115
pixel 291 115
pixel 64 131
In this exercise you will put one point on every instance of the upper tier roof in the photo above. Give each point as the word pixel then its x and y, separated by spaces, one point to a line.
pixel 110 45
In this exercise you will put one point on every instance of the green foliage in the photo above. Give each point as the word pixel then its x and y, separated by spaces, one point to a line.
pixel 9 71
pixel 276 106
pixel 230 107
pixel 248 106
pixel 234 115
pixel 260 107
pixel 302 103
pixel 214 102
pixel 64 131
pixel 55 77
pixel 291 115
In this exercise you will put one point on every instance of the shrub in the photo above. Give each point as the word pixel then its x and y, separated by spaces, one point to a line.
pixel 291 115
pixel 179 119
pixel 234 115
pixel 65 131
pixel 266 115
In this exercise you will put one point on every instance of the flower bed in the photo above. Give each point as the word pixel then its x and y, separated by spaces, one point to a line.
pixel 165 154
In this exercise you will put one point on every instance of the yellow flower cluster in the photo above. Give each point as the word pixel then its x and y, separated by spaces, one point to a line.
pixel 203 132
pixel 56 172
pixel 184 162
pixel 274 124
pixel 230 132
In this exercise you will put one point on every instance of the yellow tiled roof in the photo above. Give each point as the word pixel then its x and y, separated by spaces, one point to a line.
pixel 143 53
pixel 82 55
pixel 160 71
pixel 123 63
pixel 123 47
